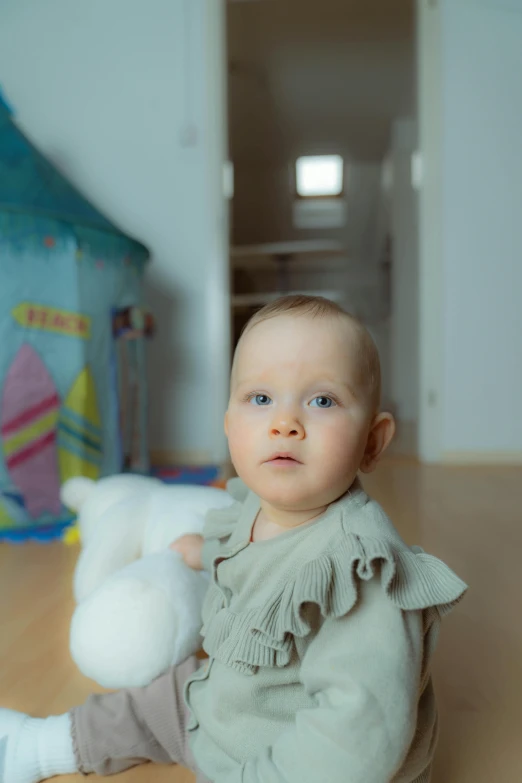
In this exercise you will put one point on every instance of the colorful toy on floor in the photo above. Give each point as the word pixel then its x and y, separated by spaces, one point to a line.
pixel 66 271
pixel 138 604
pixel 180 474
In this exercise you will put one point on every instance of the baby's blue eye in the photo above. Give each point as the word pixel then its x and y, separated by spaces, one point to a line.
pixel 322 402
pixel 260 399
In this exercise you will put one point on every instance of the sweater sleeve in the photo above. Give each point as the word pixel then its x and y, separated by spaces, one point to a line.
pixel 363 672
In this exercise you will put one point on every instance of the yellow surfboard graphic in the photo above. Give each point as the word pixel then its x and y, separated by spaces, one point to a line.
pixel 5 519
pixel 79 430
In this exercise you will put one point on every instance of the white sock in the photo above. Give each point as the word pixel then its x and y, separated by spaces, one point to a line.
pixel 34 749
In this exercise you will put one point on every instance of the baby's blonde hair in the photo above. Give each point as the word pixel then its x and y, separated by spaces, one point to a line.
pixel 320 307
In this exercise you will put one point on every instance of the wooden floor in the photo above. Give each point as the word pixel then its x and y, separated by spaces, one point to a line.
pixel 471 517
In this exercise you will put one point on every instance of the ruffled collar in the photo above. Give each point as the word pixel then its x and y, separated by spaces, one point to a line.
pixel 359 544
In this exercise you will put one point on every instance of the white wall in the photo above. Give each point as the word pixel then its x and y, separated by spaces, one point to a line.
pixel 483 227
pixel 431 280
pixel 113 91
pixel 471 59
pixel 404 230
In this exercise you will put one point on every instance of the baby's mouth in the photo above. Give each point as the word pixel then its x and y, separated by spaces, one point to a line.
pixel 283 458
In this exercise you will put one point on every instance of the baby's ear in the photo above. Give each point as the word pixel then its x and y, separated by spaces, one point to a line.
pixel 380 436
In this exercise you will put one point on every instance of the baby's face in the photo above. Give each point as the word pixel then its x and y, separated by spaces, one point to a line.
pixel 297 425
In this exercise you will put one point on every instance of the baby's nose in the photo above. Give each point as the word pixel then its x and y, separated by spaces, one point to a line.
pixel 287 428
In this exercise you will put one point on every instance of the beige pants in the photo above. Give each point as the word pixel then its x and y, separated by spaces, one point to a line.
pixel 115 731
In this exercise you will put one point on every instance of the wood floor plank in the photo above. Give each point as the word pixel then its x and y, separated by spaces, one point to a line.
pixel 471 517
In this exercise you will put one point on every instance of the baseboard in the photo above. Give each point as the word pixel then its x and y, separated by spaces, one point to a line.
pixel 403 446
pixel 482 458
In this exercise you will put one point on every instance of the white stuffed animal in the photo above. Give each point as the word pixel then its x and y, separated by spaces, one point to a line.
pixel 139 605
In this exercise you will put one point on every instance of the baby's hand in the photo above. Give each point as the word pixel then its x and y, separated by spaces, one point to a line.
pixel 190 547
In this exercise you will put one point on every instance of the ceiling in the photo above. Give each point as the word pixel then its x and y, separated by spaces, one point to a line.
pixel 308 76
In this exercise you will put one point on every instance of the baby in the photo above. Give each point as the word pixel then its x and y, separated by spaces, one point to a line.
pixel 320 623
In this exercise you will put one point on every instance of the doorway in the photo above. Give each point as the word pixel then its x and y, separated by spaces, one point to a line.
pixel 322 133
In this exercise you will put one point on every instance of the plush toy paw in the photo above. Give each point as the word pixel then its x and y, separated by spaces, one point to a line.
pixel 139 606
pixel 141 621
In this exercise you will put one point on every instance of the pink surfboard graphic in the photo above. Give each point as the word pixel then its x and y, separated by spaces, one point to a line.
pixel 28 419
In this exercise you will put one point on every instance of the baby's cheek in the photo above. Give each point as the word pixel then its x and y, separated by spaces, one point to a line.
pixel 339 442
pixel 235 444
pixel 240 439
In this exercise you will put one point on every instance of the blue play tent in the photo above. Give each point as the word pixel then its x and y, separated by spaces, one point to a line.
pixel 66 273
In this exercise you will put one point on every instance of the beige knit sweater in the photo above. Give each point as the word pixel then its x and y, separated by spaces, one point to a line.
pixel 320 643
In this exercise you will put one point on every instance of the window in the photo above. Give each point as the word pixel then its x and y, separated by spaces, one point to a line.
pixel 319 175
